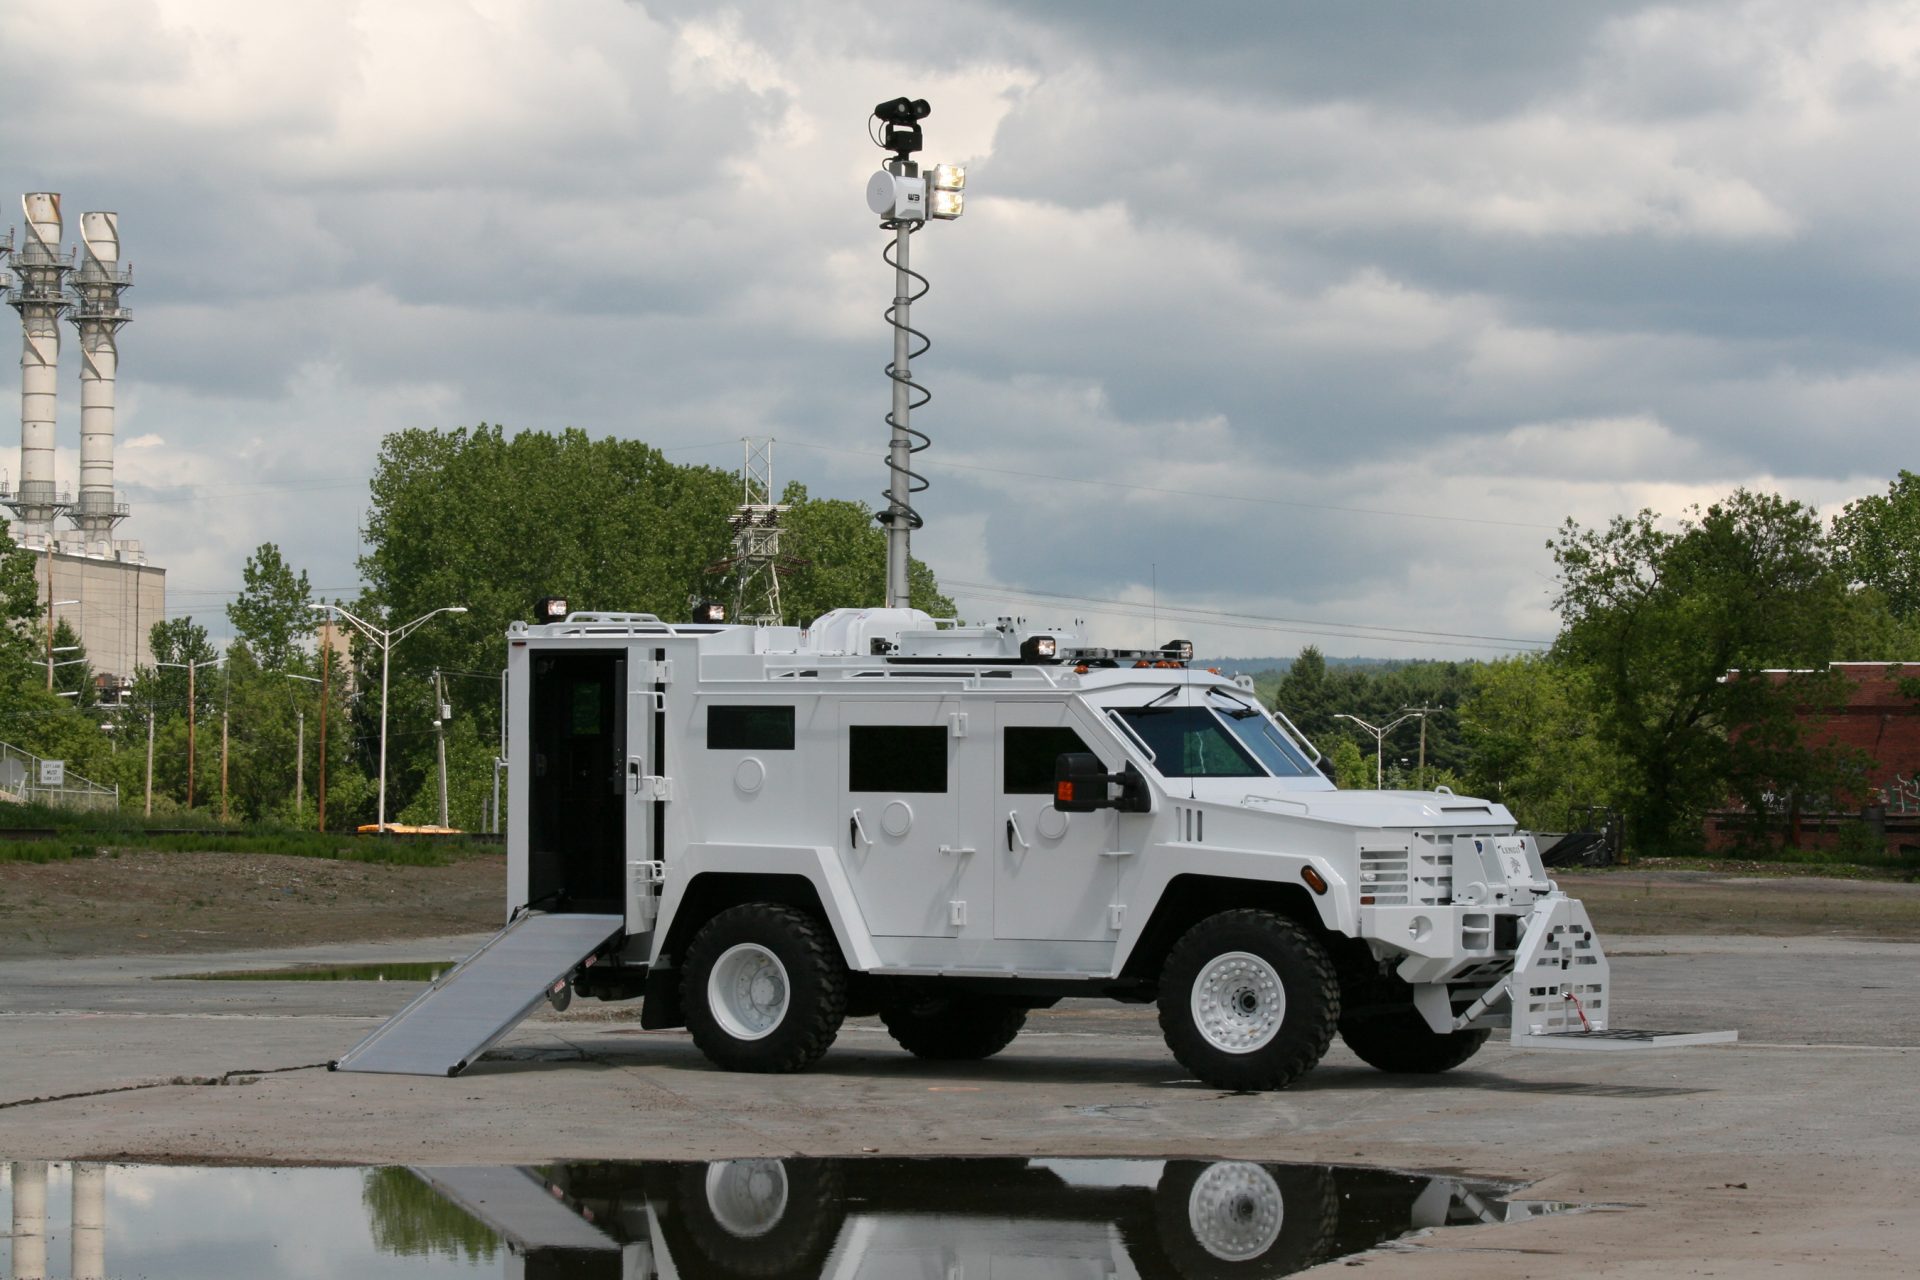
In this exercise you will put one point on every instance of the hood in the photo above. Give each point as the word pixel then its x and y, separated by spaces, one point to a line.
pixel 1392 809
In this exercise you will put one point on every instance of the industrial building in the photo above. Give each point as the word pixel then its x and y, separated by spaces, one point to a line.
pixel 99 584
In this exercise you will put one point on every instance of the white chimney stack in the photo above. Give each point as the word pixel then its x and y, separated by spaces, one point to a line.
pixel 98 315
pixel 39 268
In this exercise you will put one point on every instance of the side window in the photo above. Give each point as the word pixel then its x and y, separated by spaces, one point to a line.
pixel 896 757
pixel 1027 757
pixel 749 728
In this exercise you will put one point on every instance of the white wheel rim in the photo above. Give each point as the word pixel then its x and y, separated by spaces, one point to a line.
pixel 1236 1210
pixel 1238 1002
pixel 747 991
pixel 747 1197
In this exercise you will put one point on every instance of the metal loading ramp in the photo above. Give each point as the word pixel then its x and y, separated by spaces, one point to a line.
pixel 485 996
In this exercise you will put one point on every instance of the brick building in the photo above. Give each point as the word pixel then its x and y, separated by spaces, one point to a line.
pixel 1880 721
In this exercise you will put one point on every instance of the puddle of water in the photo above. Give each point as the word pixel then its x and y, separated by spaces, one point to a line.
pixel 392 971
pixel 872 1218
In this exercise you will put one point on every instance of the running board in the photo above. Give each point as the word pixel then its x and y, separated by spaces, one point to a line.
pixel 482 998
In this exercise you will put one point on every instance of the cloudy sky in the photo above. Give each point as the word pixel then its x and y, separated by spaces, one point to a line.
pixel 1307 321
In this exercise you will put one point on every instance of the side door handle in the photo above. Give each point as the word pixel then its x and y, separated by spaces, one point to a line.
pixel 856 830
pixel 634 768
pixel 1013 832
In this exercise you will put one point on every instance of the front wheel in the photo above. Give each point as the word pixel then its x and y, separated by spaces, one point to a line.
pixel 765 989
pixel 1398 1039
pixel 1248 1000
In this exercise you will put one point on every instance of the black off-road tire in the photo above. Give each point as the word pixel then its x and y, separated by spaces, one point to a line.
pixel 796 1243
pixel 1400 1041
pixel 1307 981
pixel 816 999
pixel 958 1027
pixel 1309 1215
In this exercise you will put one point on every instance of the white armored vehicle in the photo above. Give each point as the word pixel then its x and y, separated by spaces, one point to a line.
pixel 762 830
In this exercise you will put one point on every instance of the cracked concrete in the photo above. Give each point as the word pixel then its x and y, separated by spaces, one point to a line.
pixel 1814 1112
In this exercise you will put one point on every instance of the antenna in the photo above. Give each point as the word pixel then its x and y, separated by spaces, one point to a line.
pixel 905 199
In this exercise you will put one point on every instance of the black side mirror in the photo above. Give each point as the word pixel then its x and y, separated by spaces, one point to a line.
pixel 1081 784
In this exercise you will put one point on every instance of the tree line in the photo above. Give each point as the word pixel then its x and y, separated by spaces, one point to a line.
pixel 475 517
pixel 1651 699
pixel 1631 707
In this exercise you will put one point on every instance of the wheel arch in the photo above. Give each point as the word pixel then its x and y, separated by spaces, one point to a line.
pixel 1190 898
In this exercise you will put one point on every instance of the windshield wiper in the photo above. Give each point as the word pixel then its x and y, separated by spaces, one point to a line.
pixel 1242 710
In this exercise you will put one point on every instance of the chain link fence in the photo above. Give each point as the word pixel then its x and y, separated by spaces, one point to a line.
pixel 28 779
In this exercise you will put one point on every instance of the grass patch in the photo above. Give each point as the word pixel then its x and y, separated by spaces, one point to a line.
pixel 55 850
pixel 392 971
pixel 1817 867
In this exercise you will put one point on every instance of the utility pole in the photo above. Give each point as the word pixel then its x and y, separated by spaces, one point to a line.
pixel 192 714
pixel 1423 711
pixel 223 765
pixel 149 764
pixel 192 721
pixel 440 712
pixel 326 667
pixel 299 758
pixel 50 613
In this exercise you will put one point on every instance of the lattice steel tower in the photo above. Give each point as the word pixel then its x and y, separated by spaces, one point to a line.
pixel 756 539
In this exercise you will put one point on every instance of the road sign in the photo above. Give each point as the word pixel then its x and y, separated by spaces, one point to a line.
pixel 53 773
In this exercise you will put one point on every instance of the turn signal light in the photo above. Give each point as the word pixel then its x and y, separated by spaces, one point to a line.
pixel 1063 792
pixel 1315 881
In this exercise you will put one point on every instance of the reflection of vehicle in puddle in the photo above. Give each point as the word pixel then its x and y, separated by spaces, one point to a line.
pixel 956 1219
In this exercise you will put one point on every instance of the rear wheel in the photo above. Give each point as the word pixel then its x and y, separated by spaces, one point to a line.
pixel 1248 1000
pixel 765 989
pixel 954 1027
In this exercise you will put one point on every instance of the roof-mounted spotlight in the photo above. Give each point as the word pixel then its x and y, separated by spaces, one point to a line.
pixel 1178 650
pixel 1040 649
pixel 551 609
pixel 709 611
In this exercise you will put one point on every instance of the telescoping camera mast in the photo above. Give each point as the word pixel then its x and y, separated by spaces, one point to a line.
pixel 760 830
pixel 905 198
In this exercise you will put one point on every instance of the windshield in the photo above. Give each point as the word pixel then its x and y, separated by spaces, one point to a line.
pixel 1265 739
pixel 1189 742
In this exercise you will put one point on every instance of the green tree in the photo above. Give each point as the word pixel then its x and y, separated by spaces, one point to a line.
pixel 272 614
pixel 841 561
pixel 1877 544
pixel 1659 618
pixel 1352 771
pixel 19 607
pixel 1533 741
pixel 494 522
pixel 73 674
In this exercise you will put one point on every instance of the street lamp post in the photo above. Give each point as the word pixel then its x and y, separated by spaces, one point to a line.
pixel 1379 741
pixel 385 638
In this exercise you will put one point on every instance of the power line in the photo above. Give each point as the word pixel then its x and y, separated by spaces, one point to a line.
pixel 1210 495
pixel 1262 622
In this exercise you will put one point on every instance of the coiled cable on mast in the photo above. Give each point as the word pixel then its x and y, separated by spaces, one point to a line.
pixel 918 441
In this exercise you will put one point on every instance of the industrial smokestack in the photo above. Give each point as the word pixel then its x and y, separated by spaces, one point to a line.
pixel 98 315
pixel 40 269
